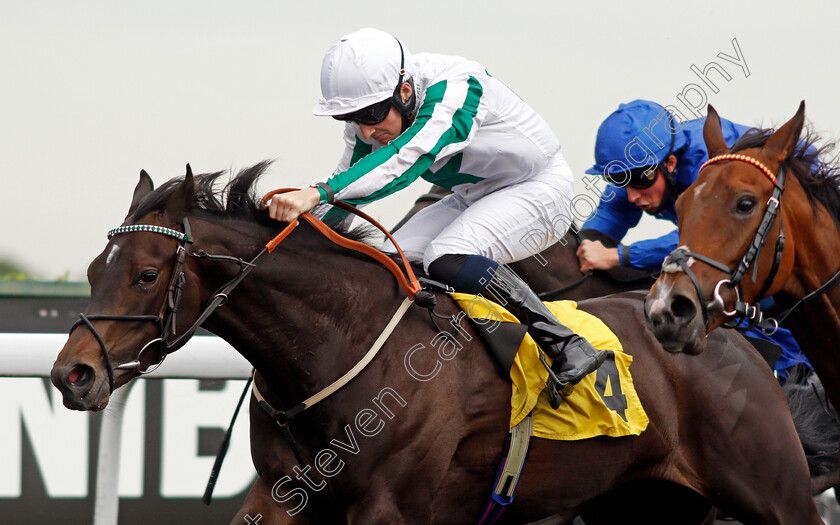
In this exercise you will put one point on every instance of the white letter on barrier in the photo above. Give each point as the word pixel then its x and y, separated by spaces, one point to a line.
pixel 186 409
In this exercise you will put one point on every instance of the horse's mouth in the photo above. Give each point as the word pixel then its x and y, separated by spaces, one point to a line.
pixel 676 338
pixel 692 345
pixel 686 336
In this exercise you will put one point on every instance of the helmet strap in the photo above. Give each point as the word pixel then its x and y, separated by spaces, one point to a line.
pixel 406 108
pixel 406 123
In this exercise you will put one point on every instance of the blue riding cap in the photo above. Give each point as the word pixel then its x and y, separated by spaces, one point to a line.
pixel 638 134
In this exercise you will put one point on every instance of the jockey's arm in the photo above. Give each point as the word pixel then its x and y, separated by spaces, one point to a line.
pixel 595 256
pixel 442 127
pixel 287 207
pixel 613 217
pixel 649 254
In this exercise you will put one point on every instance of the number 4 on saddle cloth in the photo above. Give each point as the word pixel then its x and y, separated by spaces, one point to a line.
pixel 604 403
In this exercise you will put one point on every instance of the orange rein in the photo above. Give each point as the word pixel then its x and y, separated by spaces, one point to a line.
pixel 407 281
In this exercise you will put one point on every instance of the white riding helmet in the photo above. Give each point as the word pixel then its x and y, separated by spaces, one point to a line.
pixel 361 69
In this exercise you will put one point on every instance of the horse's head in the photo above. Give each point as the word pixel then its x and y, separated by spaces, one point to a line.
pixel 729 254
pixel 136 289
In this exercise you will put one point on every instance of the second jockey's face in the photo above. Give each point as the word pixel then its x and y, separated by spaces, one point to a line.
pixel 385 131
pixel 648 199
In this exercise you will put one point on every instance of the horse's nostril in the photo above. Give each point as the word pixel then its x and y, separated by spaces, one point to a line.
pixel 80 375
pixel 682 307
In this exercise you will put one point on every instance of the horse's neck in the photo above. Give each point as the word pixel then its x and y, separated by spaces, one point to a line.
pixel 300 315
pixel 815 242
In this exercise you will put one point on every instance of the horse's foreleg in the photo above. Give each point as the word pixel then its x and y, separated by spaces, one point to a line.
pixel 262 508
pixel 278 501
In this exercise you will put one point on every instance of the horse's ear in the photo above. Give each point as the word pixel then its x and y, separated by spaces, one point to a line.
pixel 712 134
pixel 782 143
pixel 143 188
pixel 181 200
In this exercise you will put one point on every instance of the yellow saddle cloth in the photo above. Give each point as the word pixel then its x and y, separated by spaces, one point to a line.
pixel 604 403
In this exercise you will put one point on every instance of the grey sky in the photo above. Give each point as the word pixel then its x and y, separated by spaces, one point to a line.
pixel 94 91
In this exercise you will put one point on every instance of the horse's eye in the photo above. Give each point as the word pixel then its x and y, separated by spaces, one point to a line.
pixel 745 205
pixel 147 277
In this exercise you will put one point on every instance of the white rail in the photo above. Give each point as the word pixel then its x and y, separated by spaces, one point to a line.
pixel 203 357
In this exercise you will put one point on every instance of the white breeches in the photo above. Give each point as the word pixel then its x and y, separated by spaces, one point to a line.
pixel 506 225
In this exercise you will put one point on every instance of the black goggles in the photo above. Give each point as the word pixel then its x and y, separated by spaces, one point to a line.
pixel 371 115
pixel 638 178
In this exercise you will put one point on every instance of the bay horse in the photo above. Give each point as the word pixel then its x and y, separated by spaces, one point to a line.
pixel 761 220
pixel 388 448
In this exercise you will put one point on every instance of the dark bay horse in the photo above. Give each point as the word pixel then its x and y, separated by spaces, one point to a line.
pixel 731 254
pixel 389 448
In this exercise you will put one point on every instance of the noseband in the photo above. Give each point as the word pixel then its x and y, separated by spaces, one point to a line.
pixel 682 257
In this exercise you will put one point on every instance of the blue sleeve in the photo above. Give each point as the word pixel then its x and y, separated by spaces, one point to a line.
pixel 614 216
pixel 650 254
pixel 791 352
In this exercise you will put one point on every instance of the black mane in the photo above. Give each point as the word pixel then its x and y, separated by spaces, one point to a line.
pixel 815 167
pixel 815 420
pixel 236 200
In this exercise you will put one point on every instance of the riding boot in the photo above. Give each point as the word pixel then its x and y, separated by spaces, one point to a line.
pixel 573 358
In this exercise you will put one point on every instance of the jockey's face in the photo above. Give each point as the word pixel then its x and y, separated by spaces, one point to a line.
pixel 390 128
pixel 648 199
pixel 385 131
